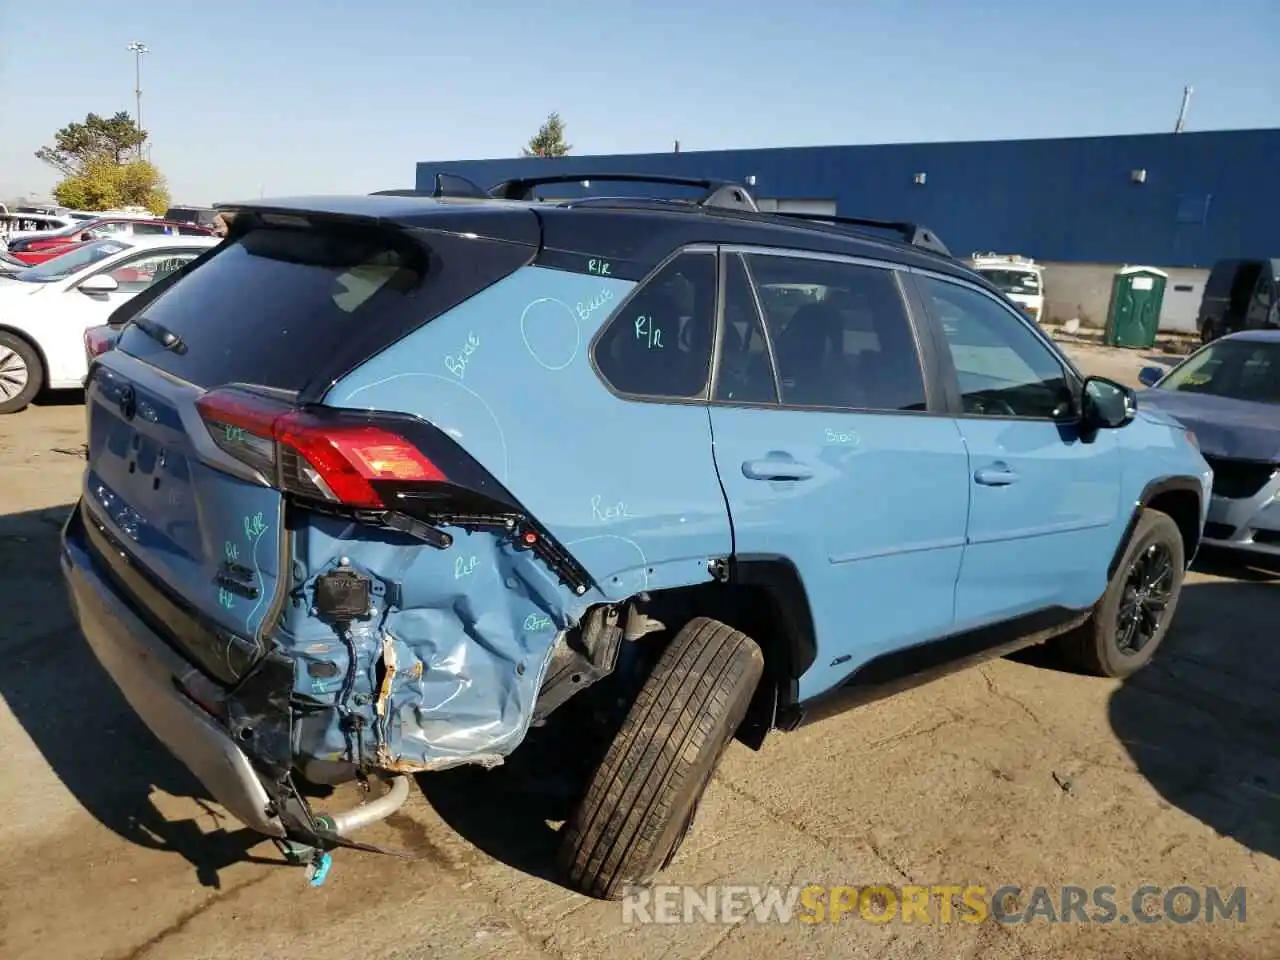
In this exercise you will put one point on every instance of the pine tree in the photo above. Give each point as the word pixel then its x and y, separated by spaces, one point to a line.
pixel 549 140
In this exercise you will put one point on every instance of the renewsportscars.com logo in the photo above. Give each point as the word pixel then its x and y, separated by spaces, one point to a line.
pixel 940 903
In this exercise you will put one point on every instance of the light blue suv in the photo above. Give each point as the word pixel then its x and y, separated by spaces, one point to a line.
pixel 381 483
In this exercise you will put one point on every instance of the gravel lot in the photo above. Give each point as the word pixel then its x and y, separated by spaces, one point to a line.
pixel 1014 773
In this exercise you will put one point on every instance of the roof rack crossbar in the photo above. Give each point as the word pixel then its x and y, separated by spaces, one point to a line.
pixel 716 193
pixel 913 233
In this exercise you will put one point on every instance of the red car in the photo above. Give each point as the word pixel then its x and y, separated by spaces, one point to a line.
pixel 32 250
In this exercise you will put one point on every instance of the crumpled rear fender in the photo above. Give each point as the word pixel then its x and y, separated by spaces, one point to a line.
pixel 448 663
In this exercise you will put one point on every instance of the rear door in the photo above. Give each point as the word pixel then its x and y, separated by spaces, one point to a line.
pixel 1044 502
pixel 271 310
pixel 835 456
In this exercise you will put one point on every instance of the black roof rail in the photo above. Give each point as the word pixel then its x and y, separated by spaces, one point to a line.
pixel 446 185
pixel 716 193
pixel 912 233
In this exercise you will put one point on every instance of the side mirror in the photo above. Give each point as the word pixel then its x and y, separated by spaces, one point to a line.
pixel 86 237
pixel 99 285
pixel 1150 376
pixel 1107 404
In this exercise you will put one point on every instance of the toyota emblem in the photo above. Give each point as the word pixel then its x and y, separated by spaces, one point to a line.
pixel 128 403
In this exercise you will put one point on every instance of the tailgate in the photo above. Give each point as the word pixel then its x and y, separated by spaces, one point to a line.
pixel 206 541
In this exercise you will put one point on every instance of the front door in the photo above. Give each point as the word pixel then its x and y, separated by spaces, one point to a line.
pixel 1044 511
pixel 831 454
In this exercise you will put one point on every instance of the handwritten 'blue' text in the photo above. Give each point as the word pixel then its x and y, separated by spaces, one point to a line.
pixel 456 363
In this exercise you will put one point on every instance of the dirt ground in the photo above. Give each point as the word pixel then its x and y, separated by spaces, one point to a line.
pixel 1013 773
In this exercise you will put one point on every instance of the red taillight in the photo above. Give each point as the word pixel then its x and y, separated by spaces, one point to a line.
pixel 311 456
pixel 96 341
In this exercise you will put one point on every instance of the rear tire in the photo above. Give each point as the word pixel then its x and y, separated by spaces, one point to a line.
pixel 641 801
pixel 21 373
pixel 1131 620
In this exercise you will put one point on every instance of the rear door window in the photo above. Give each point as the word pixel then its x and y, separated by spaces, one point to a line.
pixel 745 373
pixel 840 334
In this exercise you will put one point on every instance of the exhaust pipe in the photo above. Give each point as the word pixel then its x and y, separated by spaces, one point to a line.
pixel 344 823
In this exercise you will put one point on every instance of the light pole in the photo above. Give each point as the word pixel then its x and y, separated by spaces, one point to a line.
pixel 138 48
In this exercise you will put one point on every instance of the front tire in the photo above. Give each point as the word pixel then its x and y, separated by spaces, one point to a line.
pixel 641 801
pixel 21 373
pixel 1130 621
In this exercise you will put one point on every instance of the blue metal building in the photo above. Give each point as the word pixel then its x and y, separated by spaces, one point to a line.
pixel 1168 199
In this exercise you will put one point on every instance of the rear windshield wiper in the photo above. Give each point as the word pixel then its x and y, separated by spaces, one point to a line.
pixel 161 334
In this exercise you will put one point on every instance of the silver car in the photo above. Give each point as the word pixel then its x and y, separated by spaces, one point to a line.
pixel 1228 394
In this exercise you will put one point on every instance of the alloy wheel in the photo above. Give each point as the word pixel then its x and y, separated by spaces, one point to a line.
pixel 13 373
pixel 1148 588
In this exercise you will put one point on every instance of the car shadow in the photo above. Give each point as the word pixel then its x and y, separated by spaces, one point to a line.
pixel 85 730
pixel 514 812
pixel 1237 565
pixel 1202 721
pixel 59 398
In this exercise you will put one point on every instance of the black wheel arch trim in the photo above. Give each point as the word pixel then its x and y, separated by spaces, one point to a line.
pixel 1150 493
pixel 788 653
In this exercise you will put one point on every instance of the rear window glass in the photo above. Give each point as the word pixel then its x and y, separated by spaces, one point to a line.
pixel 275 305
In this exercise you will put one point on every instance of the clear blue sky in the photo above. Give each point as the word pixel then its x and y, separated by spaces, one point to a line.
pixel 298 96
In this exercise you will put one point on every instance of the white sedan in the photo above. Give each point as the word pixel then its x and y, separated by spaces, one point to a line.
pixel 45 309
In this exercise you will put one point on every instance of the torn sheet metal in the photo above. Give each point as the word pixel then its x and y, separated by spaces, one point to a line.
pixel 447 662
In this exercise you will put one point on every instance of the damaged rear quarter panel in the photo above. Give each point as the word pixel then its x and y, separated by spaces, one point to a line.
pixel 630 488
pixel 448 662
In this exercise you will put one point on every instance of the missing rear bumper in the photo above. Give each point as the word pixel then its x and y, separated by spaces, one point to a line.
pixel 148 674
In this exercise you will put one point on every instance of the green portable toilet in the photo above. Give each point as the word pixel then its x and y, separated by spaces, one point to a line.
pixel 1133 316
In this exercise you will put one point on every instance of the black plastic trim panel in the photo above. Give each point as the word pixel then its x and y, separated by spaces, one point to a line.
pixel 900 670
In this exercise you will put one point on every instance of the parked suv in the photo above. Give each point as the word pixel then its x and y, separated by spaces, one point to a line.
pixel 1239 295
pixel 380 483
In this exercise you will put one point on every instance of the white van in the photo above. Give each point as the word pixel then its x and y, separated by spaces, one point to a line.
pixel 1019 278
